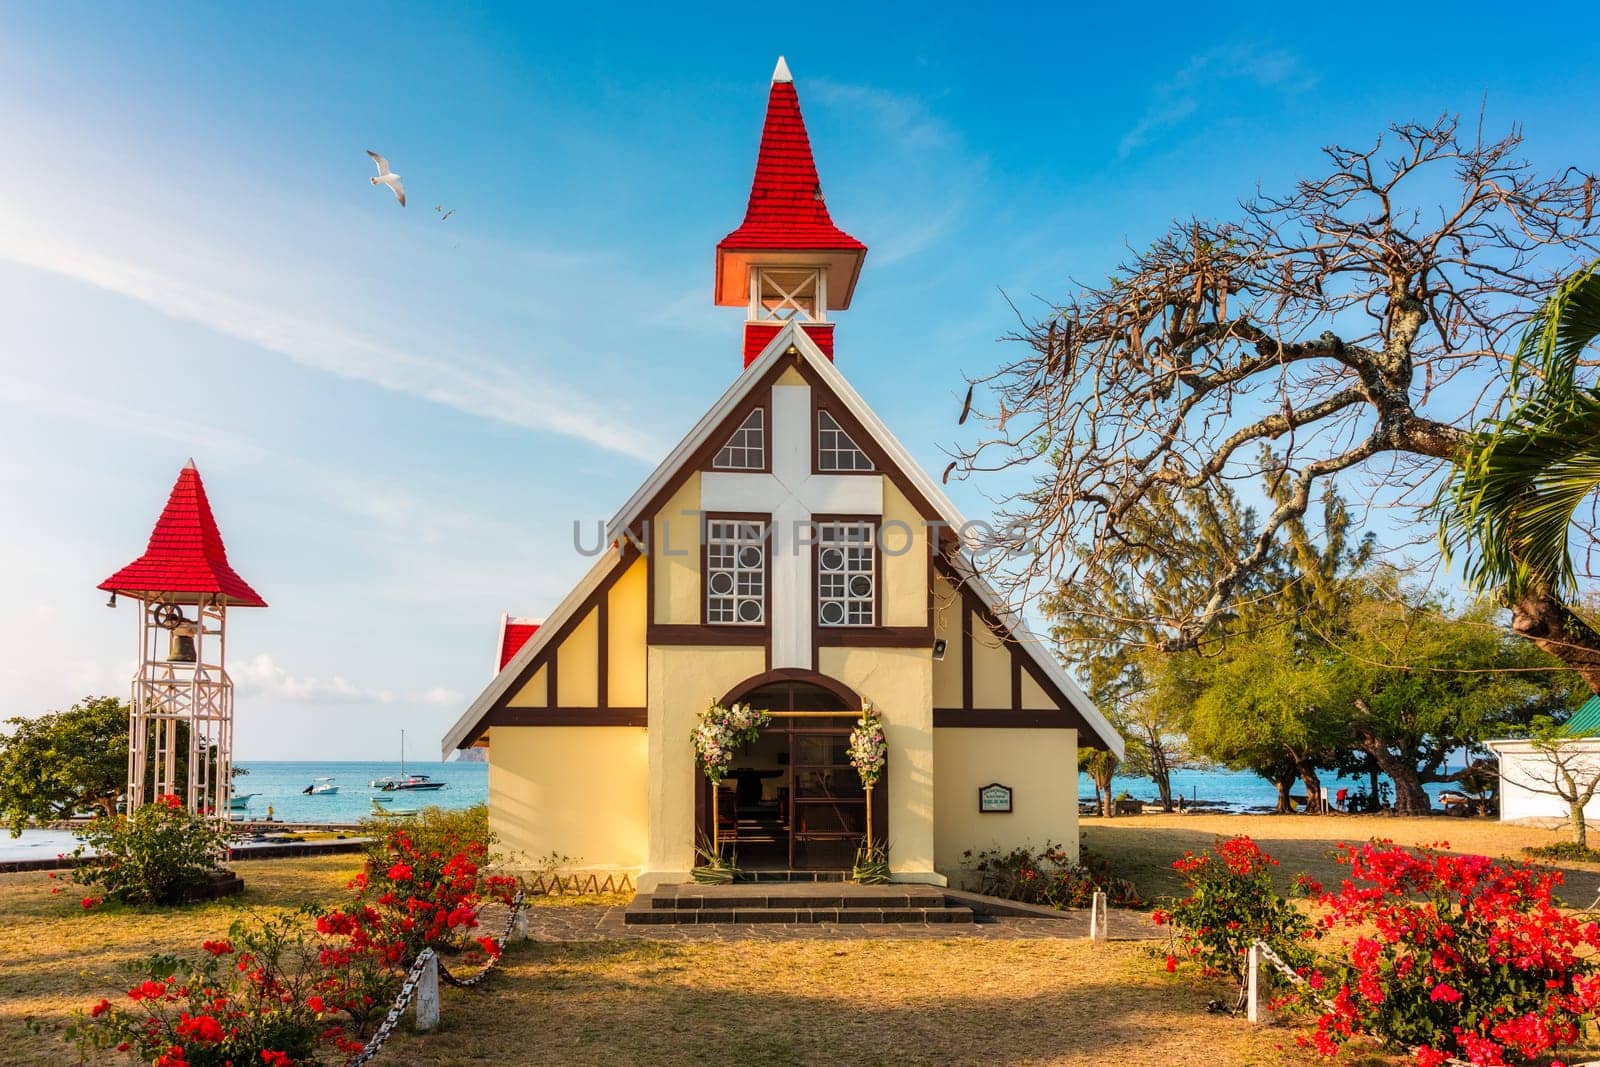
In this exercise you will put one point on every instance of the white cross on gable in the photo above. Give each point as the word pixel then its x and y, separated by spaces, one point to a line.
pixel 791 494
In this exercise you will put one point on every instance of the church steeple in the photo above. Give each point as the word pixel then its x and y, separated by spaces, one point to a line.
pixel 787 260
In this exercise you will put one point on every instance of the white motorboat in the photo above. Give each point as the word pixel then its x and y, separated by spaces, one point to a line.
pixel 241 801
pixel 322 787
pixel 404 781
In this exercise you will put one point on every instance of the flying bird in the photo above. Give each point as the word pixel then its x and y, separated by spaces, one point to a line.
pixel 388 177
pixel 444 214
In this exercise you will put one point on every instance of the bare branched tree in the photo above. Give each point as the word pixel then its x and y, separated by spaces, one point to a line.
pixel 1556 765
pixel 1361 323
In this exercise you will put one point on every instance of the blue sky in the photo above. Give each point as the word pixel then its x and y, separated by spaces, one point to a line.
pixel 398 417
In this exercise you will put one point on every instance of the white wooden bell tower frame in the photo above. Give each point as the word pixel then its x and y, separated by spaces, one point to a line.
pixel 168 694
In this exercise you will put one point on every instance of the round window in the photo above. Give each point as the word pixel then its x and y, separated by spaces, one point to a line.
pixel 861 586
pixel 832 613
pixel 749 611
pixel 832 559
pixel 750 557
pixel 721 583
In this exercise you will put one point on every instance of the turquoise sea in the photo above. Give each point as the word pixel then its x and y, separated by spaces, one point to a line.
pixel 281 787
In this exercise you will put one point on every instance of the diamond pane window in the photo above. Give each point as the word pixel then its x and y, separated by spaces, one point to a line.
pixel 736 572
pixel 835 450
pixel 781 295
pixel 746 450
pixel 847 564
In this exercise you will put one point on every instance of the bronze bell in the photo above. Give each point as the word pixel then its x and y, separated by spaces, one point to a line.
pixel 180 646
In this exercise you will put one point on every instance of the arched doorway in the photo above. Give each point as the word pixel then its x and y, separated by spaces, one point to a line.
pixel 792 800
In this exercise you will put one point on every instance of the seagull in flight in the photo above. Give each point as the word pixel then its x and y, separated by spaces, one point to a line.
pixel 388 177
pixel 446 214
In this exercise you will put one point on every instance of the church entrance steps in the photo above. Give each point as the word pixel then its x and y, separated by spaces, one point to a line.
pixel 794 902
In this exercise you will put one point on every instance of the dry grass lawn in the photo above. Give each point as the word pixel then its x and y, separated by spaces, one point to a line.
pixel 844 1002
pixel 1142 847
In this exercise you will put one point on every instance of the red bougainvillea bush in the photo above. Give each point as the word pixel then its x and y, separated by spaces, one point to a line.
pixel 1452 956
pixel 308 987
pixel 1230 903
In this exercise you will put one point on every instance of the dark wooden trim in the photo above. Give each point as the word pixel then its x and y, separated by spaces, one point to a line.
pixel 966 651
pixel 1016 678
pixel 765 519
pixel 1006 718
pixel 602 651
pixel 551 659
pixel 821 393
pixel 700 459
pixel 875 636
pixel 673 633
pixel 760 397
pixel 795 674
pixel 564 717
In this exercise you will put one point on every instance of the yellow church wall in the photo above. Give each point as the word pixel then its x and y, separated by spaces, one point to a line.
pixel 626 611
pixel 682 681
pixel 904 555
pixel 575 790
pixel 675 543
pixel 578 665
pixel 1041 767
pixel 947 609
pixel 991 668
pixel 790 376
pixel 899 682
pixel 535 693
pixel 1034 698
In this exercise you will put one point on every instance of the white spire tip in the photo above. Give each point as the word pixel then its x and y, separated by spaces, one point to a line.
pixel 780 73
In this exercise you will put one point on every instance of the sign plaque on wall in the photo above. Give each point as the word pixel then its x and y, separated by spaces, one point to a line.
pixel 994 798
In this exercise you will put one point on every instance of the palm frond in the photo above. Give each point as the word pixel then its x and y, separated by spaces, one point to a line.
pixel 1564 326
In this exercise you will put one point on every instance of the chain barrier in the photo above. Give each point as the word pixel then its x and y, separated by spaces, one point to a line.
pixel 408 989
pixel 517 904
pixel 1264 950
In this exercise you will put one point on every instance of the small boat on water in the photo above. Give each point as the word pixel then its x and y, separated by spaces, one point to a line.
pixel 390 813
pixel 321 787
pixel 405 782
pixel 241 801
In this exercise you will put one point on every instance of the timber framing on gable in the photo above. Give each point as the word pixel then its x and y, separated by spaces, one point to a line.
pixel 548 659
pixel 973 613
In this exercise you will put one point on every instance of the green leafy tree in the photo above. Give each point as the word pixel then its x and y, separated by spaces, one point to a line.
pixel 1100 765
pixel 1512 503
pixel 64 762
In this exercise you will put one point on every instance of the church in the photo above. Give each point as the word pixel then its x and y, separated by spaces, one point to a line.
pixel 788 553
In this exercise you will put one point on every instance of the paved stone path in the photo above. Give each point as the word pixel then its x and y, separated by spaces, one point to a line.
pixel 600 922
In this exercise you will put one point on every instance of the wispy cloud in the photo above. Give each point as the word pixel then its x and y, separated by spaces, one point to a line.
pixel 476 387
pixel 934 176
pixel 1203 80
pixel 262 676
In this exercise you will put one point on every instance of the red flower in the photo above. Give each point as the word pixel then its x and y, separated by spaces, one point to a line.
pixel 199 1028
pixel 273 1058
pixel 400 872
pixel 1445 992
pixel 89 902
pixel 100 1008
pixel 317 1005
pixel 1172 963
pixel 217 948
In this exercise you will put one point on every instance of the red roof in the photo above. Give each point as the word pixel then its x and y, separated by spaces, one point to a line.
pixel 786 207
pixel 185 554
pixel 513 635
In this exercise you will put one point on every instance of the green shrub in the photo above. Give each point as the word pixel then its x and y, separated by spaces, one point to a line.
pixel 1564 850
pixel 433 829
pixel 1047 876
pixel 1232 903
pixel 161 854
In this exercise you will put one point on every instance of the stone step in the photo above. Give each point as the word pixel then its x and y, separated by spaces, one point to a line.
pixel 723 898
pixel 640 913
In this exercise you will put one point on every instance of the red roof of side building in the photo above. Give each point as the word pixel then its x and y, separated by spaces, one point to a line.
pixel 786 210
pixel 185 554
pixel 514 633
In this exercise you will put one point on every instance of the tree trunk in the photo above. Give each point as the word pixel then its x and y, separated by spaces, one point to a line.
pixel 1284 784
pixel 1547 622
pixel 1161 774
pixel 1409 796
pixel 1372 785
pixel 1580 826
pixel 1313 784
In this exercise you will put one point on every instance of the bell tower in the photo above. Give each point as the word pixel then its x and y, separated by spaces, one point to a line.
pixel 787 261
pixel 180 729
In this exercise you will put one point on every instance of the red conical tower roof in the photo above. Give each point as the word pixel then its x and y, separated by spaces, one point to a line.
pixel 786 213
pixel 185 554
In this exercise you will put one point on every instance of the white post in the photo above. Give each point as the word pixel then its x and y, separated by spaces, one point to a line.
pixel 1099 921
pixel 427 996
pixel 519 929
pixel 1255 1007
